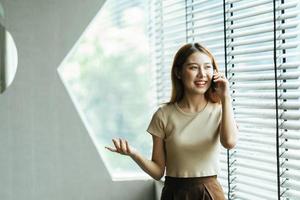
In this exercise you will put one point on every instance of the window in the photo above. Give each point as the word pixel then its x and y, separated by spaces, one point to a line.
pixel 107 75
pixel 264 76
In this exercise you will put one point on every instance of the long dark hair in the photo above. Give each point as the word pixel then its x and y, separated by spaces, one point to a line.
pixel 181 56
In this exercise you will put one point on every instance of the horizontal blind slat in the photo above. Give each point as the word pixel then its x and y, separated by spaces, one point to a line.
pixel 268 10
pixel 242 42
pixel 267 76
pixel 265 95
pixel 265 86
pixel 261 49
pixel 265 20
pixel 247 6
pixel 291 164
pixel 266 67
pixel 267 113
pixel 291 154
pixel 250 157
pixel 291 145
pixel 255 31
pixel 245 175
pixel 291 135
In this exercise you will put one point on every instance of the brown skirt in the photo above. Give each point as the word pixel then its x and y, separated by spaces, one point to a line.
pixel 192 188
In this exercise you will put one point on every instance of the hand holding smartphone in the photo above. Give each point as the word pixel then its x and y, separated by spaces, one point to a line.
pixel 213 84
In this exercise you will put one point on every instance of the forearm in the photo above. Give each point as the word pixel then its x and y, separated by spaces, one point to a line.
pixel 149 166
pixel 229 131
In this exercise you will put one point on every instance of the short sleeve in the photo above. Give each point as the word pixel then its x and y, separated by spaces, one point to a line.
pixel 157 125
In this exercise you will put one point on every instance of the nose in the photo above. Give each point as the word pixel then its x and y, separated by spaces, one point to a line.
pixel 200 72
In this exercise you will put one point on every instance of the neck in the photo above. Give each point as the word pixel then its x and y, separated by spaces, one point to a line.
pixel 193 103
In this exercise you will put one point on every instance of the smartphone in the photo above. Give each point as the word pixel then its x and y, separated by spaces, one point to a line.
pixel 213 85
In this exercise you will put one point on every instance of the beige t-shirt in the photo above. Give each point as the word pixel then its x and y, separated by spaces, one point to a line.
pixel 192 140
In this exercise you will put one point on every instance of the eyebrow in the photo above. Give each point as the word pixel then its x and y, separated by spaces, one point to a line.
pixel 197 63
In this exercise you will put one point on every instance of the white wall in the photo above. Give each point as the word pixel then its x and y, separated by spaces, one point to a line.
pixel 45 150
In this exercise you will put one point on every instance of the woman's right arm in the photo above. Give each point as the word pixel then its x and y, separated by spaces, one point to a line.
pixel 154 167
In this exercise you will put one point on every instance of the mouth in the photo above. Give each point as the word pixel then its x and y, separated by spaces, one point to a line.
pixel 200 83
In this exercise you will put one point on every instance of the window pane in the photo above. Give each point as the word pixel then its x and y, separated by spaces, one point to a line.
pixel 108 76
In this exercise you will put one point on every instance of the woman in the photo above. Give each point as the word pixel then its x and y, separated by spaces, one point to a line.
pixel 188 130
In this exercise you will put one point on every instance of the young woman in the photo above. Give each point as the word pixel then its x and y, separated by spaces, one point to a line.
pixel 188 131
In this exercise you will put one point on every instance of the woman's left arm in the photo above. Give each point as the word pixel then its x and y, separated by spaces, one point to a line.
pixel 229 129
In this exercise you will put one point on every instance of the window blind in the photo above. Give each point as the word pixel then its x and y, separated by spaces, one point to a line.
pixel 168 37
pixel 256 44
pixel 262 45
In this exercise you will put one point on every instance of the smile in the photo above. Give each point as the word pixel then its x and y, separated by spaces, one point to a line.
pixel 200 83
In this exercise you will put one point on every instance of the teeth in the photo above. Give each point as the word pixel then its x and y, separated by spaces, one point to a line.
pixel 200 82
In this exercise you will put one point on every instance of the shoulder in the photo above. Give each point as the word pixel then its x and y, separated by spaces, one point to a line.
pixel 216 107
pixel 166 108
pixel 164 111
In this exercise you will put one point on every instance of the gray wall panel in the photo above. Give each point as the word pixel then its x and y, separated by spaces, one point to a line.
pixel 45 149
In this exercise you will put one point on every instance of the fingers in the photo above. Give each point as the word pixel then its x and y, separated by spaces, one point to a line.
pixel 117 145
pixel 127 147
pixel 122 147
pixel 218 76
pixel 111 149
pixel 216 79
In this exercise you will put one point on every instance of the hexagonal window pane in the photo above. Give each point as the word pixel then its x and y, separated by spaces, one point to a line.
pixel 108 77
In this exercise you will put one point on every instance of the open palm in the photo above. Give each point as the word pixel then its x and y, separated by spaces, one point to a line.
pixel 122 147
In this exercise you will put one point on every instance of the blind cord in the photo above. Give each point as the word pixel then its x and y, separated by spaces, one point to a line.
pixel 276 99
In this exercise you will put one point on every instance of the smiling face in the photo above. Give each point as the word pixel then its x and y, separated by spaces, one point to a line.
pixel 196 73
